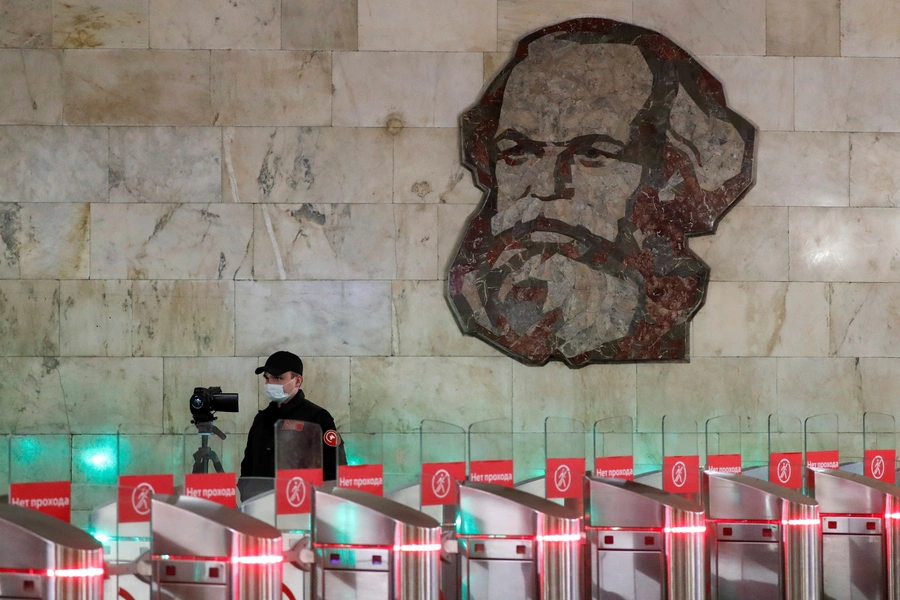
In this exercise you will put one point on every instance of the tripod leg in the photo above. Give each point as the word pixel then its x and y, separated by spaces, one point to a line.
pixel 215 460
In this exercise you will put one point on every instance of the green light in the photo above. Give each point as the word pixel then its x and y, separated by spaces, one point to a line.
pixel 101 538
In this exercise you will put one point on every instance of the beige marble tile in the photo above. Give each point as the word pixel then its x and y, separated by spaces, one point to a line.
pixel 880 382
pixel 705 388
pixel 215 24
pixel 759 88
pixel 403 391
pixel 452 219
pixel 801 169
pixel 586 395
pixel 324 241
pixel 409 25
pixel 424 324
pixel 232 374
pixel 100 24
pixel 427 168
pixel 297 84
pixel 869 28
pixel 319 24
pixel 762 319
pixel 750 244
pixel 92 405
pixel 733 27
pixel 26 23
pixel 330 318
pixel 844 244
pixel 326 382
pixel 493 62
pixel 22 381
pixel 32 91
pixel 160 241
pixel 95 318
pixel 846 94
pixel 803 28
pixel 183 318
pixel 515 18
pixel 137 87
pixel 863 319
pixel 404 89
pixel 815 386
pixel 29 318
pixel 53 164
pixel 320 165
pixel 416 241
pixel 50 241
pixel 874 180
pixel 165 164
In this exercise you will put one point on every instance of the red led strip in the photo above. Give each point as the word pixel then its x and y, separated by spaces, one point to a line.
pixel 562 537
pixel 395 548
pixel 65 573
pixel 686 529
pixel 892 516
pixel 802 522
pixel 264 559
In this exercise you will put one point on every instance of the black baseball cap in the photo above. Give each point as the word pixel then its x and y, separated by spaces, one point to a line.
pixel 282 362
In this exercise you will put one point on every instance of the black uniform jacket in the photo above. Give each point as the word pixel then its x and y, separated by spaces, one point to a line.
pixel 259 457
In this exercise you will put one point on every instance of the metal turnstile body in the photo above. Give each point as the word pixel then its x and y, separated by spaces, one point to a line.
pixel 43 557
pixel 765 541
pixel 202 550
pixel 122 543
pixel 372 548
pixel 294 580
pixel 516 545
pixel 643 543
pixel 859 535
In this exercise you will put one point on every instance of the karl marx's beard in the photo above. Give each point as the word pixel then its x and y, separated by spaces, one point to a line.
pixel 546 288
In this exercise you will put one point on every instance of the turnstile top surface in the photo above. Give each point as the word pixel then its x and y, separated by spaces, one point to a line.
pixel 187 526
pixel 846 492
pixel 489 509
pixel 33 540
pixel 343 516
pixel 740 497
pixel 621 503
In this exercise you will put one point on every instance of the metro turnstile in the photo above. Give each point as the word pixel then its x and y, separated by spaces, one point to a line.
pixel 860 535
pixel 765 541
pixel 644 543
pixel 370 548
pixel 122 543
pixel 44 558
pixel 516 545
pixel 204 550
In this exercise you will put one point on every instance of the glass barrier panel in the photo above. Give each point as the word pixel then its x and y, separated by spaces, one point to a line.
pixel 879 431
pixel 298 445
pixel 563 438
pixel 364 445
pixel 491 452
pixel 442 448
pixel 820 441
pixel 151 453
pixel 723 444
pixel 613 440
pixel 681 456
pixel 4 466
pixel 785 434
pixel 298 467
pixel 680 436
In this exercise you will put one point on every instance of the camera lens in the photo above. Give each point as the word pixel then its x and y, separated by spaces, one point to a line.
pixel 196 402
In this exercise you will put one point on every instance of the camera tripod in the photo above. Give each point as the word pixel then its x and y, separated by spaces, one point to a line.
pixel 204 453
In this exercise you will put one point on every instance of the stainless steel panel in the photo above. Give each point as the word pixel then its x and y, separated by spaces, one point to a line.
pixel 194 591
pixel 832 525
pixel 502 549
pixel 855 567
pixel 630 575
pixel 741 498
pixel 356 559
pixel 749 570
pixel 608 539
pixel 844 492
pixel 357 585
pixel 20 585
pixel 208 572
pixel 493 579
pixel 747 532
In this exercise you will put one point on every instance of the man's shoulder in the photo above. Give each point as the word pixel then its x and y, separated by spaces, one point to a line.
pixel 312 412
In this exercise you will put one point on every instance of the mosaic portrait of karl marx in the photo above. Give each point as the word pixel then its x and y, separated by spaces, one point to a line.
pixel 601 148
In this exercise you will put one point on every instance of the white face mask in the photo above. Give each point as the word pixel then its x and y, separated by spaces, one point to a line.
pixel 276 392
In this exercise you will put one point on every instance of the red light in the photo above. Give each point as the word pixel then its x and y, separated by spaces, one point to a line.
pixel 562 537
pixel 892 516
pixel 801 522
pixel 86 572
pixel 688 529
pixel 417 548
pixel 257 560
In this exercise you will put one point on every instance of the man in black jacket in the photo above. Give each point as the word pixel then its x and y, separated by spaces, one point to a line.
pixel 283 373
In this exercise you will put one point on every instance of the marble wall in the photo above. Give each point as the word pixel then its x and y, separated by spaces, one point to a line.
pixel 188 186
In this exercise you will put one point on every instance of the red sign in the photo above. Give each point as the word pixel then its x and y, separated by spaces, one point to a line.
pixel 52 498
pixel 681 474
pixel 217 487
pixel 293 489
pixel 564 476
pixel 823 459
pixel 135 492
pixel 786 468
pixel 724 463
pixel 439 482
pixel 880 465
pixel 366 478
pixel 499 472
pixel 615 467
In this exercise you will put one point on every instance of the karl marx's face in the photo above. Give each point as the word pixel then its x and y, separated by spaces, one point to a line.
pixel 556 264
